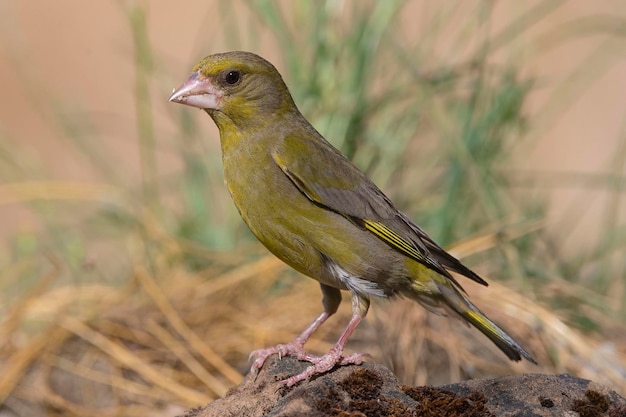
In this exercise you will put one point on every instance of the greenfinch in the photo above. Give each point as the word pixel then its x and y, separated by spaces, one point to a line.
pixel 317 212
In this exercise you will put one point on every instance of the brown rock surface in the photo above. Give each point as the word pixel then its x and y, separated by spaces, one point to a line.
pixel 544 395
pixel 373 390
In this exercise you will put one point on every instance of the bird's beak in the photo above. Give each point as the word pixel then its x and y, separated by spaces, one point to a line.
pixel 198 92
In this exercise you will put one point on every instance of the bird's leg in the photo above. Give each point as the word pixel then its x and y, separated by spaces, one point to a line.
pixel 321 364
pixel 293 348
pixel 331 300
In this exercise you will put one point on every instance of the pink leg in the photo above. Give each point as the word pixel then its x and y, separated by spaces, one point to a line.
pixel 331 300
pixel 321 364
pixel 293 348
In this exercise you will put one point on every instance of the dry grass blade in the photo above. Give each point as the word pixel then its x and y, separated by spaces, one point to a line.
pixel 184 331
pixel 268 266
pixel 115 381
pixel 57 190
pixel 14 318
pixel 187 358
pixel 483 242
pixel 134 362
pixel 72 409
pixel 18 363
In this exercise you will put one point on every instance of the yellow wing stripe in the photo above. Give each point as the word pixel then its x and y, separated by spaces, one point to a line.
pixel 394 239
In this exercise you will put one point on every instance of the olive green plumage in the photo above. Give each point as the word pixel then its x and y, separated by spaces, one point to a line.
pixel 312 208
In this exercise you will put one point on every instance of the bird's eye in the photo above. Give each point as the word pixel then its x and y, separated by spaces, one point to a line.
pixel 232 77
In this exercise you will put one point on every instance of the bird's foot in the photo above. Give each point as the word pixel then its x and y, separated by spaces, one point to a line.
pixel 323 364
pixel 293 348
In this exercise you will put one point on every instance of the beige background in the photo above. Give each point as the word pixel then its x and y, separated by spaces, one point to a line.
pixel 80 54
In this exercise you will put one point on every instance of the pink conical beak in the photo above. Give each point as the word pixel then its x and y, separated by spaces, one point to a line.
pixel 198 92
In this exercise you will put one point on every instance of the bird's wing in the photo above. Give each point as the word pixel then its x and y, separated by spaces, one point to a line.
pixel 346 190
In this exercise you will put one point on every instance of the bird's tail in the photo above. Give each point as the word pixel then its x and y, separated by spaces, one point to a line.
pixel 510 347
pixel 458 303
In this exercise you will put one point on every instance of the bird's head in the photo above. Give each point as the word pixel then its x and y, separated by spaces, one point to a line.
pixel 235 87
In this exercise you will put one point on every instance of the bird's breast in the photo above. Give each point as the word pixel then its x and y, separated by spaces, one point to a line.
pixel 273 208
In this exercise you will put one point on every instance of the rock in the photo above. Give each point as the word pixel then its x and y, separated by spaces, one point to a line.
pixel 531 395
pixel 373 390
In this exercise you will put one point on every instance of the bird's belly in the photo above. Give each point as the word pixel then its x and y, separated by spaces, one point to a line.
pixel 292 233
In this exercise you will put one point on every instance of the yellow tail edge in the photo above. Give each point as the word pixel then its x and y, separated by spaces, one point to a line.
pixel 510 347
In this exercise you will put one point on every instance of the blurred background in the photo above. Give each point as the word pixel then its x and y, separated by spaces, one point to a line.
pixel 129 284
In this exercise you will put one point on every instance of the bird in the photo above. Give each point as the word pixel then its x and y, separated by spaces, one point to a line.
pixel 311 207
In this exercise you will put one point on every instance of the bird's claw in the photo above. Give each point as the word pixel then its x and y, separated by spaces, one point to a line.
pixel 325 363
pixel 319 364
pixel 293 348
